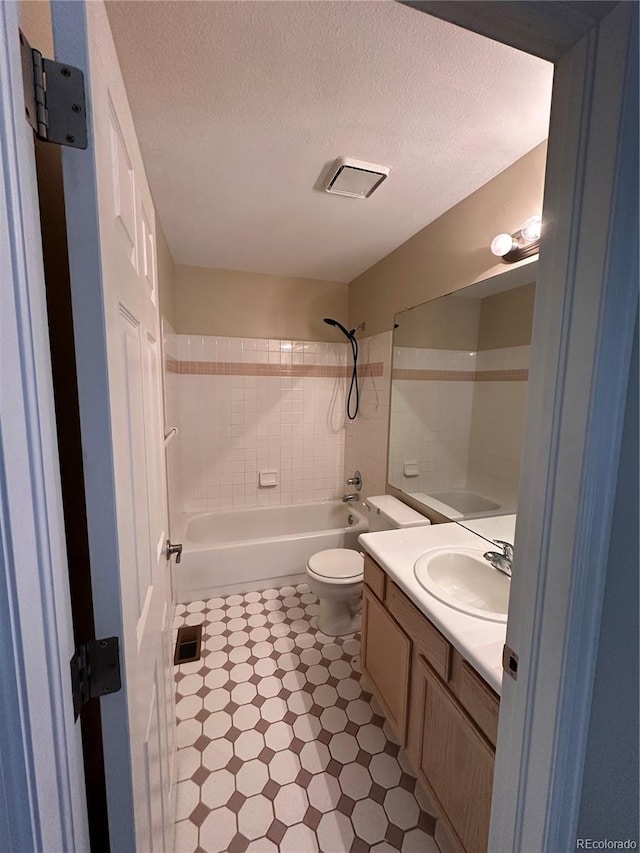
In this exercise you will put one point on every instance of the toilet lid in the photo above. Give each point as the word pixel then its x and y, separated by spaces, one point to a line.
pixel 337 563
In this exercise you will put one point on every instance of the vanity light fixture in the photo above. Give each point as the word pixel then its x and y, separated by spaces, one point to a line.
pixel 522 244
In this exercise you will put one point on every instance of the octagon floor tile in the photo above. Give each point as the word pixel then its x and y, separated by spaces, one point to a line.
pixel 281 749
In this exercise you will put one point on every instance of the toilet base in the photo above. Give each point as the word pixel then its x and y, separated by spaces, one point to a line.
pixel 340 597
pixel 338 617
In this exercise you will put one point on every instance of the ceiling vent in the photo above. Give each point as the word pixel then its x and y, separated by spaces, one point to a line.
pixel 354 177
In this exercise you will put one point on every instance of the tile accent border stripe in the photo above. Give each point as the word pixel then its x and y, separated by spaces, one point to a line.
pixel 461 375
pixel 434 375
pixel 521 375
pixel 239 368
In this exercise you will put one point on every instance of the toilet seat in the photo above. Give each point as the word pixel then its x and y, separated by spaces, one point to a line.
pixel 337 565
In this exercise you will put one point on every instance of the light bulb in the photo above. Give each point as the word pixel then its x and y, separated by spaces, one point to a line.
pixel 503 244
pixel 532 229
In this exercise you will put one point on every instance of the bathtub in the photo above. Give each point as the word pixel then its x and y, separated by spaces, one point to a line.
pixel 240 551
pixel 459 504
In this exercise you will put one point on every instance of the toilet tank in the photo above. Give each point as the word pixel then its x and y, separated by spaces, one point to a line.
pixel 388 513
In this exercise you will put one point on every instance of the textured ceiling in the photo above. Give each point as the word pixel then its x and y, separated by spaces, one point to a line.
pixel 240 107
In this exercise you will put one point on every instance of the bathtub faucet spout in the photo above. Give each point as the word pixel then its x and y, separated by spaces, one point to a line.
pixel 354 496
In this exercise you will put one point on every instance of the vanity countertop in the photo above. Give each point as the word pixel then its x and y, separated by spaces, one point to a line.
pixel 479 641
pixel 497 527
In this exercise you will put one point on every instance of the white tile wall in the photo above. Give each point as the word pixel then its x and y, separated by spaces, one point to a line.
pixel 430 426
pixel 422 358
pixel 499 410
pixel 233 427
pixel 460 434
pixel 172 419
pixel 259 350
pixel 366 437
pixel 507 358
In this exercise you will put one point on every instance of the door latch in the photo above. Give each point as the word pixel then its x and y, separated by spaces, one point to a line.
pixel 174 549
pixel 510 662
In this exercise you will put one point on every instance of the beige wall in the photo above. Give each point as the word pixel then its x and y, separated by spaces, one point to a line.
pixel 166 293
pixel 35 22
pixel 453 251
pixel 501 320
pixel 506 318
pixel 242 304
pixel 441 324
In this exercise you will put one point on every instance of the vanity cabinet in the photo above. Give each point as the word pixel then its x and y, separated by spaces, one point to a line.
pixel 442 711
pixel 386 658
pixel 455 761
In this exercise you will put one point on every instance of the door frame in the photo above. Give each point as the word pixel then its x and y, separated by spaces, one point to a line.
pixel 42 797
pixel 585 315
pixel 580 382
pixel 581 356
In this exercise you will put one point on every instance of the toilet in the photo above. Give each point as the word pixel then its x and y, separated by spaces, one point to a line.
pixel 335 575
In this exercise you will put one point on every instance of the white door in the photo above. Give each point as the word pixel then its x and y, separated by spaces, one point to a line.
pixel 111 233
pixel 42 797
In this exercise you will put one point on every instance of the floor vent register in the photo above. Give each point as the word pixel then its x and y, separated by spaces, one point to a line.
pixel 188 644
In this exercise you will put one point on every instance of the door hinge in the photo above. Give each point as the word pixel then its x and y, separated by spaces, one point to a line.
pixel 510 662
pixel 95 671
pixel 54 100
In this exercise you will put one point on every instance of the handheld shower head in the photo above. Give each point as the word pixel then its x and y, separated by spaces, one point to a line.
pixel 330 322
pixel 353 388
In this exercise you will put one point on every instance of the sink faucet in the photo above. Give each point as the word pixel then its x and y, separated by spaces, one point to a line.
pixel 501 561
pixel 354 496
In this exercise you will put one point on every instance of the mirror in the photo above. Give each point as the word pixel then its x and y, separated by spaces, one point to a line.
pixel 459 395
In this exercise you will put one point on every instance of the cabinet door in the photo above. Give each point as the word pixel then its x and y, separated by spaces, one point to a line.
pixel 456 762
pixel 386 657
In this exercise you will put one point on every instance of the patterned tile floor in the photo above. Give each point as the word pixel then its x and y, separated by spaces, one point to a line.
pixel 280 747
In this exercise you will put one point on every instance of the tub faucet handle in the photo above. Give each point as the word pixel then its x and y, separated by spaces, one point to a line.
pixel 174 549
pixel 356 481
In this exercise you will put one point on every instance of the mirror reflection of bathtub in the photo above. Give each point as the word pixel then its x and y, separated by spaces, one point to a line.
pixel 458 504
pixel 459 396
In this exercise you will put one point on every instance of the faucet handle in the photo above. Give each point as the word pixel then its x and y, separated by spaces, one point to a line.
pixel 507 547
pixel 356 480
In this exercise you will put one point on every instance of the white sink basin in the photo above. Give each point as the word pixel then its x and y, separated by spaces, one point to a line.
pixel 463 579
